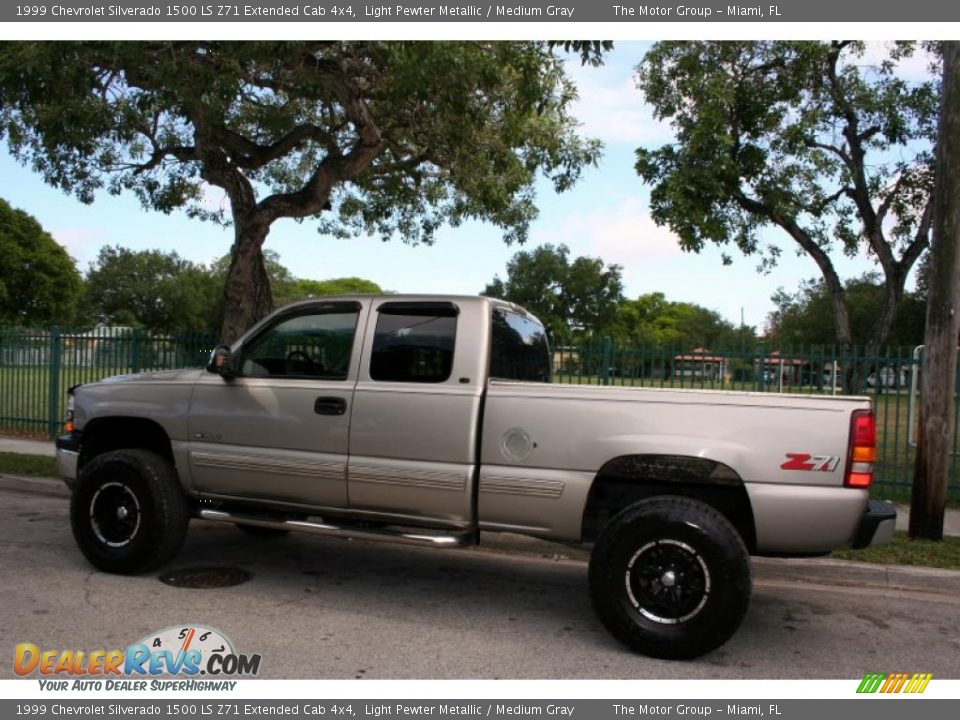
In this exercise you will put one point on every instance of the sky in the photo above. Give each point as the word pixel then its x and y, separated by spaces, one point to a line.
pixel 605 215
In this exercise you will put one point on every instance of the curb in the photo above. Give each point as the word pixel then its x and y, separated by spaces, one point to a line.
pixel 826 572
pixel 54 487
pixel 852 574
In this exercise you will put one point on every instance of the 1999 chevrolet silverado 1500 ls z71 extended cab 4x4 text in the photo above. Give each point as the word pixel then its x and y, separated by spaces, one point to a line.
pixel 427 419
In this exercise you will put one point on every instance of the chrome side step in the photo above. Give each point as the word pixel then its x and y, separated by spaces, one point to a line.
pixel 448 540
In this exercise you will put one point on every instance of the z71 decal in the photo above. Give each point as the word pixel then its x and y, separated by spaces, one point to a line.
pixel 812 463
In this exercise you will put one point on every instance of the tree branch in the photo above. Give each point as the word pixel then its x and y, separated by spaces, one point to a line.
pixel 839 152
pixel 335 168
pixel 872 227
pixel 799 235
pixel 921 239
pixel 183 153
pixel 822 205
pixel 250 155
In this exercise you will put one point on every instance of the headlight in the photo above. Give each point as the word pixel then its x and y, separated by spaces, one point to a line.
pixel 68 420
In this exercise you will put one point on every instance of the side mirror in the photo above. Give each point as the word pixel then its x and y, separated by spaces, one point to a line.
pixel 220 362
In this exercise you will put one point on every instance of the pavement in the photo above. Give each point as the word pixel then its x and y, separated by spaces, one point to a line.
pixel 23 446
pixel 813 570
pixel 513 607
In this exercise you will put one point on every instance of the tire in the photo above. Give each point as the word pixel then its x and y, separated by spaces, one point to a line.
pixel 128 513
pixel 266 533
pixel 670 577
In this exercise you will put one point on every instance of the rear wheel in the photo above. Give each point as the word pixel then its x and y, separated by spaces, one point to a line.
pixel 128 513
pixel 670 577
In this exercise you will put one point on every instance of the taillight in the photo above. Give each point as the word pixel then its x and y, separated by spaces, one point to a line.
pixel 863 449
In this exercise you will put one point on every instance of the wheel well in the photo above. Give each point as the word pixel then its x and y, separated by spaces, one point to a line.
pixel 115 433
pixel 625 480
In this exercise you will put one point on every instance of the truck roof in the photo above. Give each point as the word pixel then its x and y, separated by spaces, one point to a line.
pixel 412 297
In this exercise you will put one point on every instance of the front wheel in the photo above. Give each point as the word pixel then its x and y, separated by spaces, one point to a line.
pixel 128 513
pixel 670 577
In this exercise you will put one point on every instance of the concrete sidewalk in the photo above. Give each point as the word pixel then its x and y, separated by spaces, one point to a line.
pixel 21 446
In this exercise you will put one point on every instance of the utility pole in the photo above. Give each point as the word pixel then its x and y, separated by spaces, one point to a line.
pixel 934 443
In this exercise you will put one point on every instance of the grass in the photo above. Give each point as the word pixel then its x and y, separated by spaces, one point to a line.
pixel 904 551
pixel 25 394
pixel 31 465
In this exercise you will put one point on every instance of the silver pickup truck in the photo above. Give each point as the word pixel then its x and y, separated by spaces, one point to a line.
pixel 428 419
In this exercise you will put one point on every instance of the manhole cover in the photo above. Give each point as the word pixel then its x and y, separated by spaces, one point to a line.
pixel 205 578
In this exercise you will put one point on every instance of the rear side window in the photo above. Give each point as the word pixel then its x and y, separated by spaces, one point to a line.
pixel 414 342
pixel 519 348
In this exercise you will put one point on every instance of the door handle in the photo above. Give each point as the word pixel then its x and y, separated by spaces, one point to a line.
pixel 330 406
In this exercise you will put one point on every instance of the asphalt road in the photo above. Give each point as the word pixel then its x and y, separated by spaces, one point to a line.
pixel 319 608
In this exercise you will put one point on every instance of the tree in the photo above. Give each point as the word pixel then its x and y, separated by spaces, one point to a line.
pixel 387 138
pixel 802 137
pixel 652 321
pixel 153 289
pixel 937 417
pixel 287 288
pixel 301 289
pixel 805 317
pixel 579 296
pixel 39 283
pixel 279 277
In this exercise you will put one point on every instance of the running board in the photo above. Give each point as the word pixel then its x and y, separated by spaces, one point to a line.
pixel 320 528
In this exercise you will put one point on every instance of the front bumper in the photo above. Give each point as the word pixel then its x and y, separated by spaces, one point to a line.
pixel 68 456
pixel 877 525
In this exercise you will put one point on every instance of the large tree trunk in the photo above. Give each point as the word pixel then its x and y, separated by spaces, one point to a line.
pixel 943 303
pixel 247 297
pixel 893 293
pixel 852 372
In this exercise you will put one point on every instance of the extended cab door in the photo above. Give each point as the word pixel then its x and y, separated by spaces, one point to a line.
pixel 413 436
pixel 279 430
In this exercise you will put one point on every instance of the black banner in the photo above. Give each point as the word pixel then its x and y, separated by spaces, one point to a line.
pixel 564 11
pixel 226 707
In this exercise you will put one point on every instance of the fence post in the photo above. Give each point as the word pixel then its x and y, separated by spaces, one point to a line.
pixel 53 398
pixel 761 372
pixel 135 352
pixel 607 360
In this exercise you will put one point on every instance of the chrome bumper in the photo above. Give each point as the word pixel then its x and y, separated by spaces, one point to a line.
pixel 68 456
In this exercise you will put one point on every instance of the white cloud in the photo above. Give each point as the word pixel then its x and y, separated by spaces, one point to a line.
pixel 214 199
pixel 612 108
pixel 618 114
pixel 915 68
pixel 81 243
pixel 624 234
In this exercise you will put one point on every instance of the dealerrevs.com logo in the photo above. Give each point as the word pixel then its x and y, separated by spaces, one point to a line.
pixel 179 651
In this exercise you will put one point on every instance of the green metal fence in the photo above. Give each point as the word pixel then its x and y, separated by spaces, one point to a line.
pixel 37 367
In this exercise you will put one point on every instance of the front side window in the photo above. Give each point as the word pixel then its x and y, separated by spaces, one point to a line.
pixel 519 348
pixel 414 342
pixel 314 344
